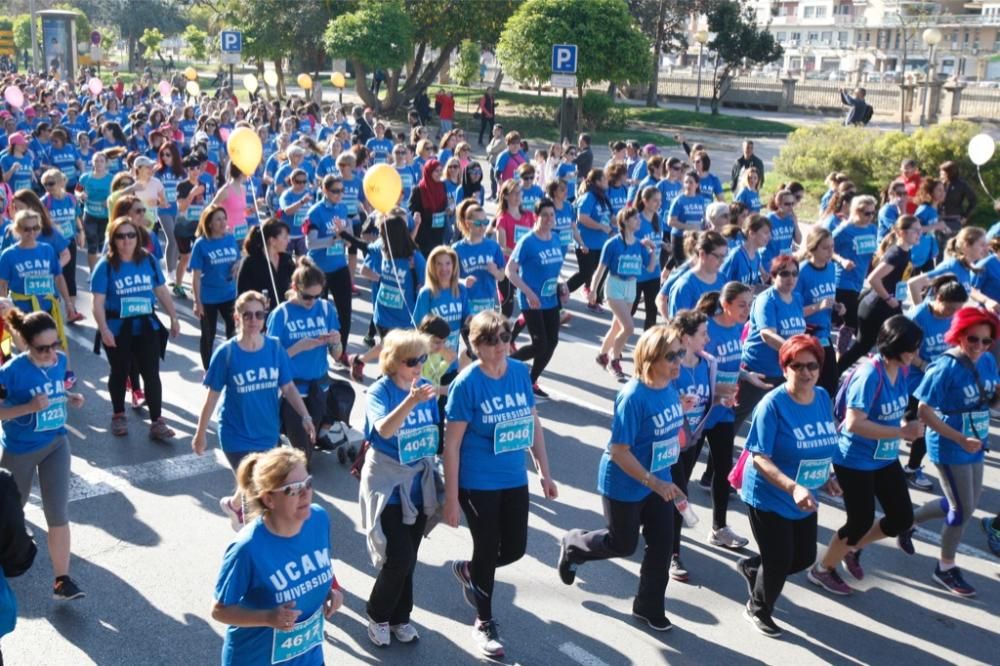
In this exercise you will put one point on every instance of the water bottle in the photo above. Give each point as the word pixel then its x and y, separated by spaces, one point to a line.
pixel 687 513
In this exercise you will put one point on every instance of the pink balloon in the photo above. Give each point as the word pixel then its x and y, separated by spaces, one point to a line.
pixel 224 133
pixel 95 85
pixel 14 96
pixel 164 87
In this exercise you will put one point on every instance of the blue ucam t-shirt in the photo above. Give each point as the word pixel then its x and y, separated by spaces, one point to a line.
pixel 97 190
pixel 857 243
pixel 684 293
pixel 21 179
pixel 472 260
pixel 953 391
pixel 129 290
pixel 65 159
pixel 379 149
pixel 954 266
pixel 884 402
pixel 800 440
pixel 741 266
pixel 328 219
pixel 397 292
pixel 695 382
pixel 932 345
pixel 55 239
pixel 590 205
pixel 290 323
pixel 769 310
pixel 687 210
pixel 987 276
pixel 669 190
pixel 532 195
pixel 408 179
pixel 618 196
pixel 454 309
pixel 927 248
pixel 725 345
pixel 23 380
pixel 887 216
pixel 565 219
pixel 649 422
pixel 354 195
pixel 249 409
pixel 261 571
pixel 31 273
pixel 626 262
pixel 170 182
pixel 294 220
pixel 540 262
pixel 813 286
pixel 500 426
pixel 416 439
pixel 710 187
pixel 646 231
pixel 63 214
pixel 215 258
pixel 782 237
pixel 749 198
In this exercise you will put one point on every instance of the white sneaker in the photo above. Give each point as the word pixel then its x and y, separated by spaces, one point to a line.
pixel 727 538
pixel 405 633
pixel 487 639
pixel 235 517
pixel 378 632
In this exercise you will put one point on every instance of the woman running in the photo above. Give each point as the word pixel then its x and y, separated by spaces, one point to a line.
pixel 513 222
pixel 594 224
pixel 267 267
pixel 651 227
pixel 817 285
pixel 215 261
pixel 711 250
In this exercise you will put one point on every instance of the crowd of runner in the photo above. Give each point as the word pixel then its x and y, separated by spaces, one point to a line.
pixel 843 342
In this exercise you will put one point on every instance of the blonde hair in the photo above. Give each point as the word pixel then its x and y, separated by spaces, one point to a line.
pixel 487 322
pixel 464 214
pixel 430 270
pixel 54 173
pixel 248 297
pixel 958 243
pixel 651 347
pixel 398 345
pixel 260 473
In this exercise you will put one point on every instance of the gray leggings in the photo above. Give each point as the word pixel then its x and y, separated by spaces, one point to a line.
pixel 962 485
pixel 171 251
pixel 52 461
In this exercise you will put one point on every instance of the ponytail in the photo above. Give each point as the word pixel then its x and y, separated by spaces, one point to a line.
pixel 29 326
pixel 710 303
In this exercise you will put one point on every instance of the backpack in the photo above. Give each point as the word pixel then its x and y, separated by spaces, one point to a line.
pixel 866 116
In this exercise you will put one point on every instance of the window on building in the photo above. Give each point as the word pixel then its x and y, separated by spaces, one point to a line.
pixel 796 36
pixel 820 12
pixel 812 37
pixel 842 38
pixel 826 37
pixel 781 37
pixel 808 12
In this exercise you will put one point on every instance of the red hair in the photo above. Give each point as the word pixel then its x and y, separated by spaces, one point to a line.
pixel 969 317
pixel 783 262
pixel 797 344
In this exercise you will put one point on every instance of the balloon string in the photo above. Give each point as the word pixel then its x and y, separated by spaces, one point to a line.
pixel 267 256
pixel 980 174
pixel 395 276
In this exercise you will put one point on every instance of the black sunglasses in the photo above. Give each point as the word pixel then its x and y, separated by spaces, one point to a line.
pixel 976 340
pixel 492 339
pixel 308 297
pixel 811 366
pixel 336 190
pixel 259 315
pixel 788 274
pixel 299 182
pixel 674 356
pixel 49 183
pixel 126 235
pixel 42 349
pixel 414 362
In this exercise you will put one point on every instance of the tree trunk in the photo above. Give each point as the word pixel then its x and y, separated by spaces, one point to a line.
pixel 579 106
pixel 361 86
pixel 280 71
pixel 497 81
pixel 652 93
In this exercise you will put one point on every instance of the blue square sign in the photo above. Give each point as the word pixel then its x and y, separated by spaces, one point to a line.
pixel 564 58
pixel 232 41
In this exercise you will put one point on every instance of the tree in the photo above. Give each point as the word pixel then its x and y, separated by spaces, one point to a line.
pixel 133 17
pixel 151 40
pixel 467 70
pixel 22 32
pixel 911 23
pixel 737 41
pixel 197 42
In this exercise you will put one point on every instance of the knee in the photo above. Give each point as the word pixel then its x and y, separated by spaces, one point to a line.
pixel 954 515
pixel 853 531
pixel 895 525
pixel 804 557
pixel 511 552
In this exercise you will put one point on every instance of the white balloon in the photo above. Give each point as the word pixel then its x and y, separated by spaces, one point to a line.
pixel 981 149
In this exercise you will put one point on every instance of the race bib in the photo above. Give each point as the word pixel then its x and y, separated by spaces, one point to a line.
pixel 39 285
pixel 976 424
pixel 437 220
pixel 864 245
pixel 477 305
pixel 727 378
pixel 887 449
pixel 171 195
pixel 418 443
pixel 66 229
pixel 565 236
pixel 629 265
pixel 52 417
pixel 549 287
pixel 240 231
pixel 135 306
pixel 665 453
pixel 390 296
pixel 514 435
pixel 352 208
pixel 813 473
pixel 336 250
pixel 298 640
pixel 901 291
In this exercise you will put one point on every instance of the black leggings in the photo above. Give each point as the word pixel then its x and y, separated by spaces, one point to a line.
pixel 69 270
pixel 209 323
pixel 391 598
pixel 829 375
pixel 543 327
pixel 142 350
pixel 786 546
pixel 871 313
pixel 338 286
pixel 721 438
pixel 680 474
pixel 586 265
pixel 508 296
pixel 861 488
pixel 646 291
pixel 918 447
pixel 498 522
pixel 849 299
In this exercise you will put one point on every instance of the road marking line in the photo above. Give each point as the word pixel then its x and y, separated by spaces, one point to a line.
pixel 580 656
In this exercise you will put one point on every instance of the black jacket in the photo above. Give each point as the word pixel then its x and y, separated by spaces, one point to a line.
pixel 744 163
pixel 584 162
pixel 959 199
pixel 17 549
pixel 255 275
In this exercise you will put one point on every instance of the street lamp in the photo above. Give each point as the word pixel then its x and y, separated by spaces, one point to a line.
pixel 701 37
pixel 930 37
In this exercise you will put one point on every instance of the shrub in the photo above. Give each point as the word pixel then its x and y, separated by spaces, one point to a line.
pixel 596 107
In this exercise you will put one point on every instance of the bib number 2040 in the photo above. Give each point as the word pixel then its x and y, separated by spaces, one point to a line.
pixel 514 435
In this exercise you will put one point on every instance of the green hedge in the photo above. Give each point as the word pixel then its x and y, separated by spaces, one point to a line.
pixel 872 158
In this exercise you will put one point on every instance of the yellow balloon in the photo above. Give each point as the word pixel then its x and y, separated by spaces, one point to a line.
pixel 193 88
pixel 190 74
pixel 271 78
pixel 338 80
pixel 245 149
pixel 305 81
pixel 382 187
pixel 250 83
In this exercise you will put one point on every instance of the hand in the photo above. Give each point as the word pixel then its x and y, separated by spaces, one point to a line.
pixel 892 302
pixel 107 337
pixel 198 443
pixel 416 219
pixel 491 266
pixel 310 430
pixel 689 402
pixel 334 600
pixel 533 301
pixel 75 400
pixel 832 487
pixel 757 380
pixel 841 309
pixel 39 402
pixel 912 430
pixel 827 303
pixel 16 166
pixel 970 444
pixel 283 617
pixel 848 265
pixel 803 498
pixel 469 281
pixel 421 392
pixel 584 249
pixel 668 491
pixel 333 338
pixel 175 327
pixel 451 513
pixel 199 311
pixel 993 306
pixel 549 489
pixel 648 244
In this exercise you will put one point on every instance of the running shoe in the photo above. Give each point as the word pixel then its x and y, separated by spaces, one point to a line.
pixel 539 393
pixel 905 541
pixel 567 569
pixel 705 484
pixel 615 368
pixel 159 430
pixel 852 563
pixel 66 590
pixel 138 398
pixel 596 308
pixel 657 621
pixel 179 292
pixel 405 633
pixel 487 637
pixel 677 570
pixel 828 580
pixel 378 632
pixel 916 479
pixel 564 317
pixel 953 581
pixel 602 360
pixel 369 341
pixel 727 538
pixel 119 425
pixel 235 515
pixel 460 568
pixel 357 368
pixel 748 572
pixel 992 534
pixel 69 380
pixel 762 622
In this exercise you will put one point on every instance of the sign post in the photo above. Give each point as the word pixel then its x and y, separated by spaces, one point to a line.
pixel 95 49
pixel 563 76
pixel 232 50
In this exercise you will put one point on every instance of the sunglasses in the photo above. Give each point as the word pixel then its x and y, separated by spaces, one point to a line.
pixel 126 235
pixel 674 356
pixel 675 168
pixel 308 297
pixel 493 339
pixel 477 223
pixel 259 315
pixel 811 366
pixel 295 489
pixel 138 211
pixel 336 190
pixel 50 183
pixel 899 193
pixel 44 349
pixel 976 340
pixel 29 230
pixel 299 182
pixel 788 274
pixel 414 362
